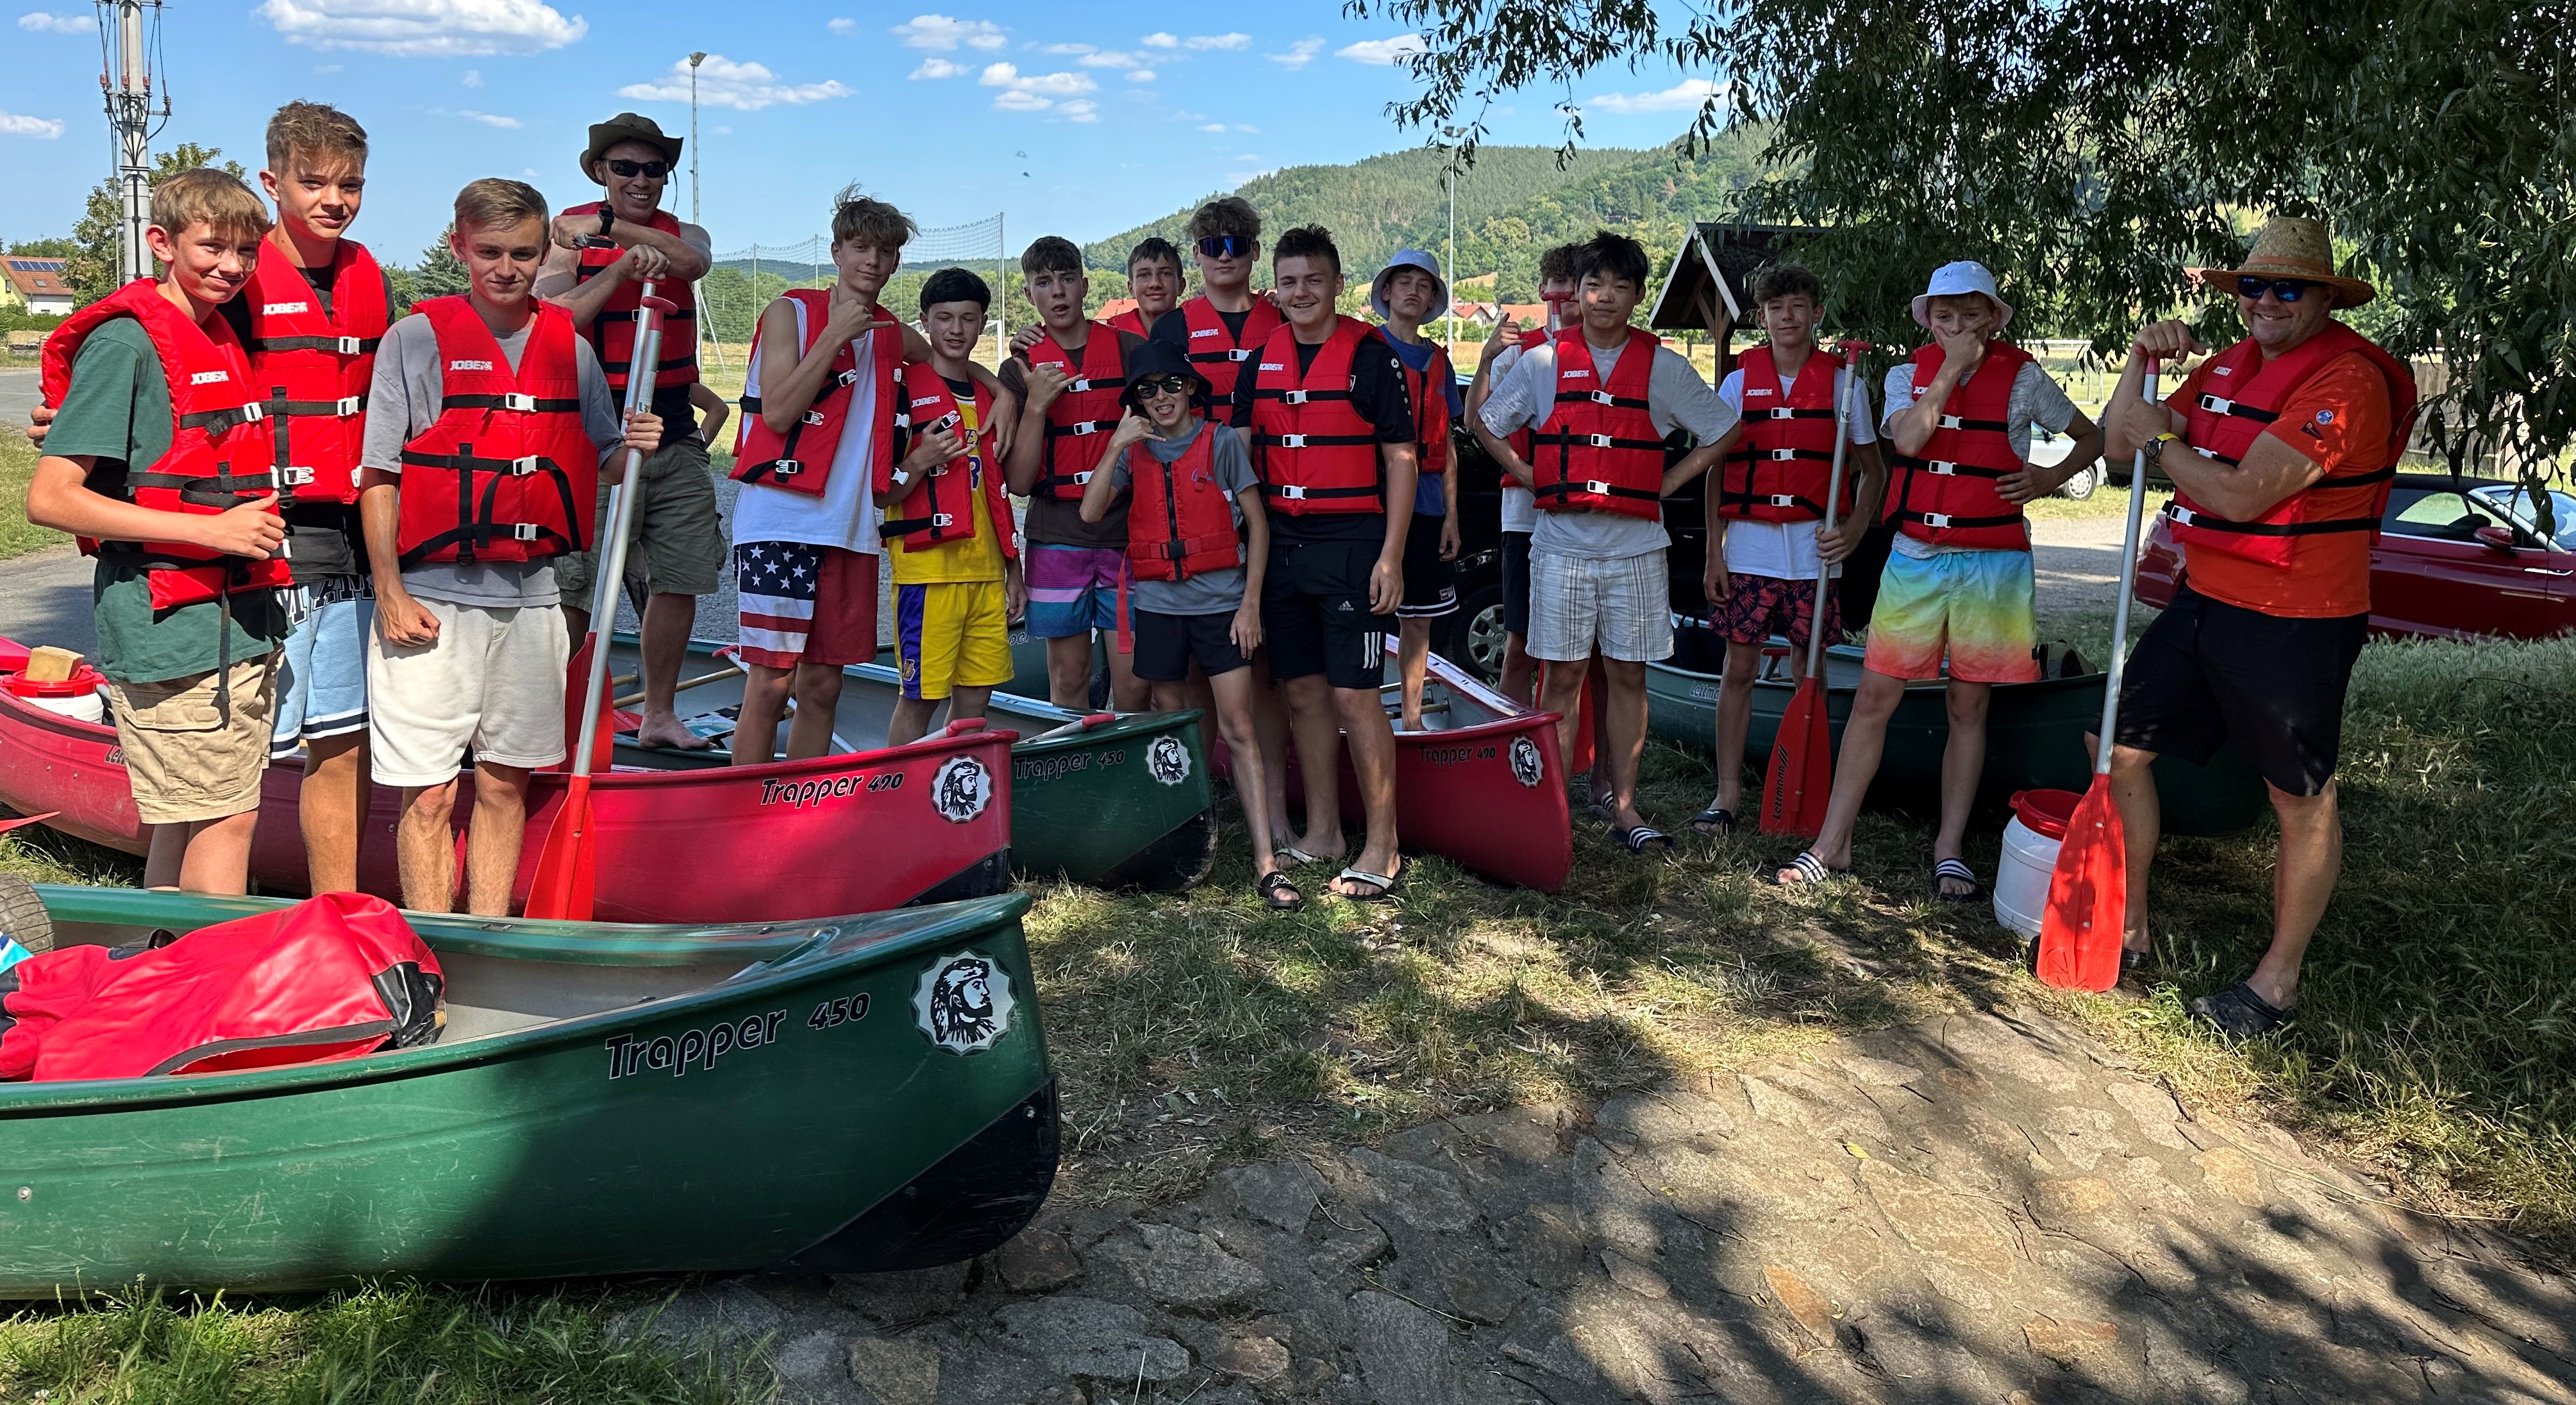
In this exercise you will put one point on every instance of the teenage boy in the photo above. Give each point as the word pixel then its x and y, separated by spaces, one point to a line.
pixel 948 531
pixel 1068 385
pixel 1154 281
pixel 157 459
pixel 1520 511
pixel 1199 542
pixel 470 647
pixel 1221 328
pixel 819 401
pixel 1408 292
pixel 1333 442
pixel 1765 509
pixel 1603 397
pixel 605 252
pixel 317 308
pixel 1958 581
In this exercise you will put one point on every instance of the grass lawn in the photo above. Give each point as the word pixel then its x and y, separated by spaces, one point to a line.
pixel 18 536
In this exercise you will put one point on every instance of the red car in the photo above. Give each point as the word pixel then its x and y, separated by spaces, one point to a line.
pixel 2456 558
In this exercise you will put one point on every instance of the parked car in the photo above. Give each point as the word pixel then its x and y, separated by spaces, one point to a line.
pixel 2457 558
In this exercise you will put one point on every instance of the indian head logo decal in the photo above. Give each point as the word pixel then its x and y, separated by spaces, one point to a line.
pixel 1526 766
pixel 964 1003
pixel 961 789
pixel 1168 760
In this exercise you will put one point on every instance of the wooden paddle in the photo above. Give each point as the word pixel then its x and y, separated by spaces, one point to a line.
pixel 2087 916
pixel 1794 795
pixel 567 865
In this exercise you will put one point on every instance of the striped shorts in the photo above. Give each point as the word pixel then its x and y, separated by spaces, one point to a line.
pixel 1619 608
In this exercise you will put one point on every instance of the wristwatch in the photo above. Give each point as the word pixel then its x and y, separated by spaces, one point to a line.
pixel 607 217
pixel 2154 448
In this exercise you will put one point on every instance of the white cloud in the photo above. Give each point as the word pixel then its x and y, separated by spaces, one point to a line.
pixel 1221 127
pixel 1015 101
pixel 1299 55
pixel 1382 52
pixel 943 34
pixel 486 118
pixel 1689 93
pixel 424 28
pixel 719 131
pixel 473 78
pixel 937 68
pixel 45 128
pixel 1217 41
pixel 1150 41
pixel 1049 85
pixel 1080 110
pixel 43 23
pixel 841 24
pixel 326 68
pixel 744 87
pixel 1113 58
pixel 1140 75
pixel 529 171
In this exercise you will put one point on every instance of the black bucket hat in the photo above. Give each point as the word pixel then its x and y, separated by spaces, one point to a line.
pixel 625 126
pixel 1157 359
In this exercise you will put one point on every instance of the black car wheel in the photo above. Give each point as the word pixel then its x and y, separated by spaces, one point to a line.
pixel 1481 639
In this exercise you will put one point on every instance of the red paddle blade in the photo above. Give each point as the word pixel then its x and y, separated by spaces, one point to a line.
pixel 561 890
pixel 1802 766
pixel 2088 898
pixel 576 676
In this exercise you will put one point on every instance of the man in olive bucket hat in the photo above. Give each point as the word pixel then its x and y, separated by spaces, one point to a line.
pixel 2281 449
pixel 679 544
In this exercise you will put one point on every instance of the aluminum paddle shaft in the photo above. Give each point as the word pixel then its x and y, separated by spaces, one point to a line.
pixel 641 368
pixel 2128 585
pixel 1851 351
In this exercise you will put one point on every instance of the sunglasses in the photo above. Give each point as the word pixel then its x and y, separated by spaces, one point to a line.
pixel 655 169
pixel 1163 385
pixel 2286 289
pixel 1226 246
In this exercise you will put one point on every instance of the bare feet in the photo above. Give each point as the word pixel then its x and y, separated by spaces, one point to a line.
pixel 1347 886
pixel 666 731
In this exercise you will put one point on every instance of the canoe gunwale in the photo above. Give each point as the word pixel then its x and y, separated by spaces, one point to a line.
pixel 802 963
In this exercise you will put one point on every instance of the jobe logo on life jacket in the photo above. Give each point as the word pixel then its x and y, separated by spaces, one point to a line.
pixel 210 377
pixel 469 365
pixel 283 309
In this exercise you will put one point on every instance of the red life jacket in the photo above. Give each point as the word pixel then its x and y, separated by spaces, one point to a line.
pixel 1219 354
pixel 2224 427
pixel 219 454
pixel 1523 441
pixel 1786 464
pixel 1180 523
pixel 612 332
pixel 506 472
pixel 1946 494
pixel 315 367
pixel 1079 421
pixel 1312 449
pixel 801 459
pixel 1428 390
pixel 1132 320
pixel 1598 448
pixel 942 508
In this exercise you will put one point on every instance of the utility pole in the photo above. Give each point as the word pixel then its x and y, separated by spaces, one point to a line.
pixel 694 60
pixel 1453 133
pixel 129 117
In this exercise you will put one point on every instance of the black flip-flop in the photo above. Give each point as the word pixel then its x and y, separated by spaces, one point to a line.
pixel 1270 887
pixel 1959 872
pixel 1642 835
pixel 1714 821
pixel 2238 1013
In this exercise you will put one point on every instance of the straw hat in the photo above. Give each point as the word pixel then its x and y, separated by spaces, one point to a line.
pixel 2290 246
pixel 625 126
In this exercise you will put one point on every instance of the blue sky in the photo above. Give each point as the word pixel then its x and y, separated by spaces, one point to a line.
pixel 1076 120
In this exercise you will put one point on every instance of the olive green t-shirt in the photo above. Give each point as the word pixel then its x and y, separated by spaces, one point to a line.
pixel 118 410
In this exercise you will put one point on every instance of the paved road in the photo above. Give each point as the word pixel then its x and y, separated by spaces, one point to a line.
pixel 17 396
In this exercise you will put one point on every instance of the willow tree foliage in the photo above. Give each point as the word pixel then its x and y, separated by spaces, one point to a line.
pixel 2088 152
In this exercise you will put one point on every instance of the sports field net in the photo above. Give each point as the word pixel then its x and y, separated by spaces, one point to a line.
pixel 743 282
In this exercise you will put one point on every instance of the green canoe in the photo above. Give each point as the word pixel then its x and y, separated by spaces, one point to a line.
pixel 852 1095
pixel 1110 802
pixel 2034 734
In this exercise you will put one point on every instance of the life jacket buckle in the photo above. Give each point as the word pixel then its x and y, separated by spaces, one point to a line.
pixel 2216 405
pixel 1936 519
pixel 1598 441
pixel 1942 468
pixel 348 405
pixel 1603 397
pixel 1783 412
pixel 522 404
pixel 253 412
pixel 787 468
pixel 347 346
pixel 1076 387
pixel 942 519
pixel 1082 479
pixel 524 465
pixel 1783 455
pixel 1290 492
pixel 1240 353
pixel 813 418
pixel 523 531
pixel 1783 500
pixel 1292 397
pixel 1292 441
pixel 2181 515
pixel 1596 487
pixel 1089 427
pixel 294 477
pixel 848 377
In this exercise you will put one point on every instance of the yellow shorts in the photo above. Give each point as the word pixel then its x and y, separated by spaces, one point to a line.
pixel 951 634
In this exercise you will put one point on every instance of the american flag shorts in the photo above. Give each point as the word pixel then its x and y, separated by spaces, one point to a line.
pixel 803 603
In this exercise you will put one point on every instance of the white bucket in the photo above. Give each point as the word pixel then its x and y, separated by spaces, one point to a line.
pixel 77 697
pixel 80 707
pixel 2031 841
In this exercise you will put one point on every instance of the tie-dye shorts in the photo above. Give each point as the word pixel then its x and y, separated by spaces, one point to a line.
pixel 1976 606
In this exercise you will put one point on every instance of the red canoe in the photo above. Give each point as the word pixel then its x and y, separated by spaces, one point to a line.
pixel 1481 784
pixel 863 832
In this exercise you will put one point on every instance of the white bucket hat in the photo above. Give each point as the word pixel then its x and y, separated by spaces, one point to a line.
pixel 1953 279
pixel 1410 258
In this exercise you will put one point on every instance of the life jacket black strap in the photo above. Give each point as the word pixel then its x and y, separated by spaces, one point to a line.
pixel 1984 426
pixel 342 408
pixel 1079 428
pixel 218 421
pixel 1599 397
pixel 341 346
pixel 1597 441
pixel 1751 455
pixel 2182 516
pixel 1299 397
pixel 1311 441
pixel 1943 520
pixel 1567 487
pixel 1239 353
pixel 476 463
pixel 1299 492
pixel 2221 405
pixel 522 404
pixel 466 538
pixel 1791 412
pixel 1945 468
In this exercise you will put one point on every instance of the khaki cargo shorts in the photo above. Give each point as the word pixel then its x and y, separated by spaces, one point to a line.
pixel 679 545
pixel 188 760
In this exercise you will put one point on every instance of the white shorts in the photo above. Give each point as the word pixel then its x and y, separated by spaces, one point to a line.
pixel 493 681
pixel 1581 605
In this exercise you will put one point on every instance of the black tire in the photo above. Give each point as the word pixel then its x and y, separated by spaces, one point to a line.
pixel 23 918
pixel 1477 637
pixel 2085 483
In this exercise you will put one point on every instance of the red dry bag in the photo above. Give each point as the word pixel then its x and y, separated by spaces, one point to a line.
pixel 332 977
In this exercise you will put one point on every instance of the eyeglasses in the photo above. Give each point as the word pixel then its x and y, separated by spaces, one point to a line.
pixel 2286 289
pixel 655 169
pixel 1226 246
pixel 1163 385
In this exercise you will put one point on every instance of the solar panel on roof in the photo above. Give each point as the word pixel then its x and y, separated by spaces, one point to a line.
pixel 38 265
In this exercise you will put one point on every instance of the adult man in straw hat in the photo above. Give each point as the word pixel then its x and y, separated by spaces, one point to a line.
pixel 679 544
pixel 2280 449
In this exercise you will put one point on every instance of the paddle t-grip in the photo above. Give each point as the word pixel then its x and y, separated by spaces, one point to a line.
pixel 2128 586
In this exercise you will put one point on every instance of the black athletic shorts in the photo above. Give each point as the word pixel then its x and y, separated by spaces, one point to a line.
pixel 1430 584
pixel 1165 644
pixel 2207 672
pixel 1315 613
pixel 1516 583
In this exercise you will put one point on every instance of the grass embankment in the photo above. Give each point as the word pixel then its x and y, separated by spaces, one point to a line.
pixel 18 536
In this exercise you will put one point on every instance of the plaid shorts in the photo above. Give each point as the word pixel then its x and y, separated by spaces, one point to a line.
pixel 1619 608
pixel 1758 607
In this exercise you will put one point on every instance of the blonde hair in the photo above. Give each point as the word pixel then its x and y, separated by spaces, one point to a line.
pixel 494 203
pixel 312 129
pixel 207 196
pixel 865 219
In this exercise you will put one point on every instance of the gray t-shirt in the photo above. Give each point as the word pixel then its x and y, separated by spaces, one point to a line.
pixel 1217 592
pixel 2036 400
pixel 402 404
pixel 1675 396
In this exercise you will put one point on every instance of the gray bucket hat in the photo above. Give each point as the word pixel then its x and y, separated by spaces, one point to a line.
pixel 1410 258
